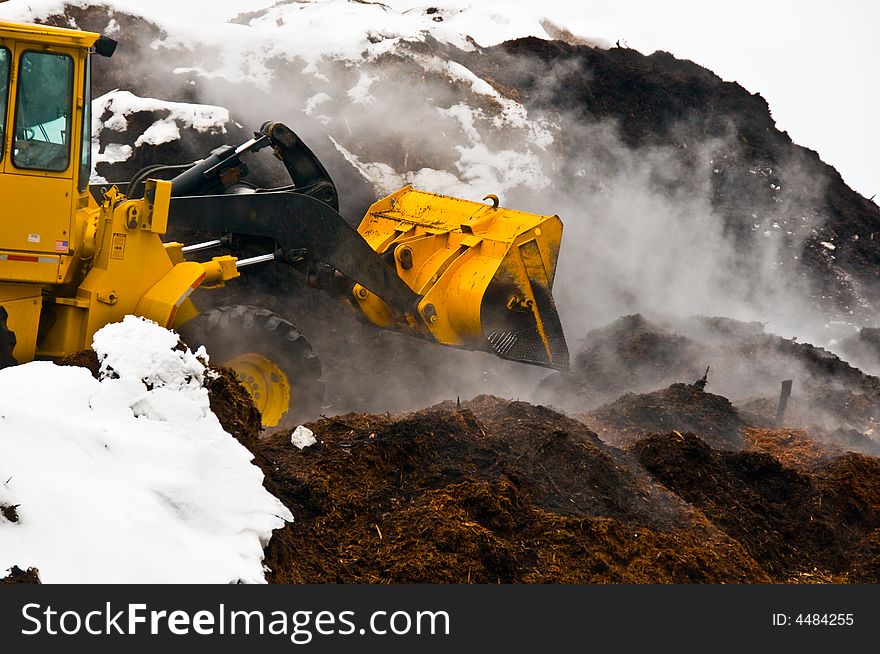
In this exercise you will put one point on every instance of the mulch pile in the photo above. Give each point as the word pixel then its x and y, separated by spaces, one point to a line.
pixel 501 491
pixel 18 576
pixel 681 407
pixel 830 398
pixel 496 491
pixel 792 522
pixel 757 173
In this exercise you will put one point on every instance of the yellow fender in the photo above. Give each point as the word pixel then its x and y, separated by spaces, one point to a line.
pixel 163 301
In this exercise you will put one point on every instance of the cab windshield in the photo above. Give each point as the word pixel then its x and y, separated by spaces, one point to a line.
pixel 44 103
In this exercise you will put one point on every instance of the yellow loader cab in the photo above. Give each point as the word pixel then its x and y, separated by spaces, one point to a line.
pixel 45 160
pixel 72 259
pixel 68 265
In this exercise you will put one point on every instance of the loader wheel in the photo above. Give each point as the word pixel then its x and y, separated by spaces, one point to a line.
pixel 7 342
pixel 270 357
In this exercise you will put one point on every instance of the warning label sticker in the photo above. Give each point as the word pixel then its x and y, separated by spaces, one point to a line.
pixel 117 249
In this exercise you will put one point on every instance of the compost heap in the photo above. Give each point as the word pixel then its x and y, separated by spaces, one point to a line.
pixel 663 484
pixel 502 491
pixel 696 490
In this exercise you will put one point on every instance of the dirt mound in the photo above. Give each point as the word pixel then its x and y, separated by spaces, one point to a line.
pixel 794 448
pixel 632 355
pixel 636 355
pixel 790 521
pixel 681 407
pixel 498 491
pixel 18 576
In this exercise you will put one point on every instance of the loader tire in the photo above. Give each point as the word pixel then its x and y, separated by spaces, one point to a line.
pixel 270 357
pixel 7 342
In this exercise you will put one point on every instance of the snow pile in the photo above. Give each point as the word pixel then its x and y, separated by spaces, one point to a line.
pixel 155 379
pixel 129 479
pixel 303 437
pixel 119 104
pixel 291 52
pixel 247 33
pixel 110 111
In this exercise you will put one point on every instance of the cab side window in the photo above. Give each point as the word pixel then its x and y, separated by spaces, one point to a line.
pixel 4 95
pixel 43 107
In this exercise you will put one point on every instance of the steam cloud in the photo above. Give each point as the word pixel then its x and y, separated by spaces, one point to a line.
pixel 641 233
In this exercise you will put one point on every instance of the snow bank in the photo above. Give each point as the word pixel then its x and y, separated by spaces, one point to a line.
pixel 129 479
pixel 251 42
pixel 118 105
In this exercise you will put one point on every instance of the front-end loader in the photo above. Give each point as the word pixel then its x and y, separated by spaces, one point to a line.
pixel 74 257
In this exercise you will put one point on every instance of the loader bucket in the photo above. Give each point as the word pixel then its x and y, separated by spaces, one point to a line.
pixel 483 274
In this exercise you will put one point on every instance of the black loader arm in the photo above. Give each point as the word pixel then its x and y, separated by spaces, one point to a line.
pixel 300 222
pixel 302 229
pixel 306 171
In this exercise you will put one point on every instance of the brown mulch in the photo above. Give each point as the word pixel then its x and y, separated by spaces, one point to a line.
pixel 18 576
pixel 497 492
pixel 681 407
pixel 502 491
pixel 230 402
pixel 84 359
pixel 792 522
pixel 794 448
